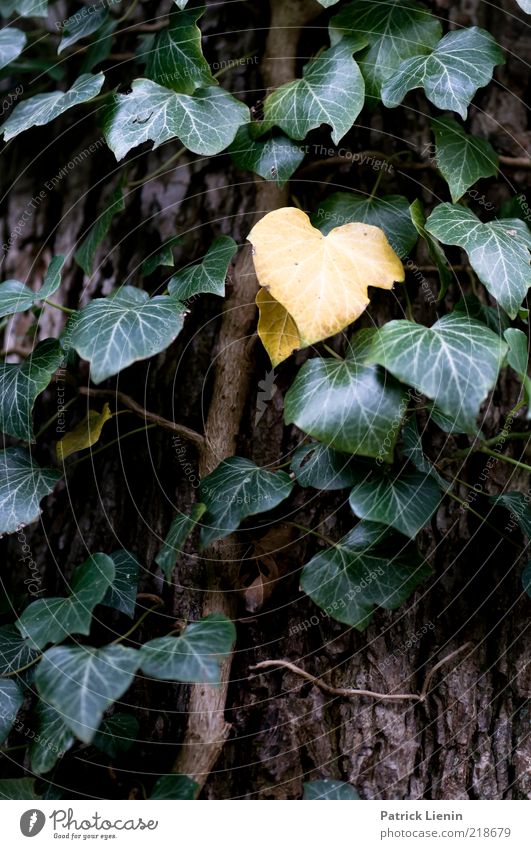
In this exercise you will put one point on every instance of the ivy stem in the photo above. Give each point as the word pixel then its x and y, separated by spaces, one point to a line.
pixel 314 533
pixel 494 439
pixel 23 668
pixel 333 353
pixel 59 307
pixel 376 184
pixel 137 624
pixel 505 459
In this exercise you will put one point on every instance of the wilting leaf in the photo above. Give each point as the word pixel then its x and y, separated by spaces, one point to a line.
pixel 276 328
pixel 85 434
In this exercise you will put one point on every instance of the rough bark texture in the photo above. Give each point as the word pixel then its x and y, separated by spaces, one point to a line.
pixel 470 738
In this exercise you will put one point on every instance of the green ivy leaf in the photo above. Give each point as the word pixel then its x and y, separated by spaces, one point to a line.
pixel 82 682
pixel 348 405
pixel 26 8
pixel 328 788
pixel 331 91
pixel 18 788
pixel 164 256
pixel 176 60
pixel 85 22
pixel 15 652
pixel 180 529
pixel 196 656
pixel 12 43
pixel 236 489
pixel 205 123
pixel 405 500
pixel 122 593
pixel 84 256
pixel 20 384
pixel 395 31
pixel 11 699
pixel 207 276
pixel 321 467
pixel 435 251
pixel 455 362
pixel 461 158
pixel 23 484
pixel 274 158
pixel 460 63
pixel 16 297
pixel 43 108
pixel 50 620
pixel 390 213
pixel 175 787
pixel 117 734
pixel 371 565
pixel 126 326
pixel 52 741
pixel 498 251
pixel 518 505
pixel 412 449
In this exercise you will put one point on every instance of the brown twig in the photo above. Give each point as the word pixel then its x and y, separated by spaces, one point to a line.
pixel 185 432
pixel 347 692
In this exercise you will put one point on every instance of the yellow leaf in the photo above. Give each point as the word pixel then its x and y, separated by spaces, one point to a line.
pixel 276 328
pixel 85 434
pixel 321 281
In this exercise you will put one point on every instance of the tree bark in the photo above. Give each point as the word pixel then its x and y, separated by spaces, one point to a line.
pixel 470 737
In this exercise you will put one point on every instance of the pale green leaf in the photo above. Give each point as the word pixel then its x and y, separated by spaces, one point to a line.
pixel 43 108
pixel 127 326
pixel 371 565
pixel 176 60
pixel 236 489
pixel 498 251
pixel 23 485
pixel 82 682
pixel 11 699
pixel 84 22
pixel 12 42
pixel 195 656
pixel 460 63
pixel 20 385
pixel 461 158
pixel 205 123
pixel 455 362
pixel 16 297
pixel 329 788
pixel 331 92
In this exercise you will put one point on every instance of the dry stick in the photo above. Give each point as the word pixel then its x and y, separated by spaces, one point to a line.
pixel 135 407
pixel 349 693
pixel 207 728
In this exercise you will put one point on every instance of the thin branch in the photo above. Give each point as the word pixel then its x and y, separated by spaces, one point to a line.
pixel 181 430
pixel 347 692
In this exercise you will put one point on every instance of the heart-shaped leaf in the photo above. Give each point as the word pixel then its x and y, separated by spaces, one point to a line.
pixel 122 593
pixel 205 123
pixel 176 60
pixel 50 620
pixel 11 699
pixel 463 358
pixel 275 158
pixel 460 63
pixel 348 405
pixel 21 384
pixel 43 108
pixel 195 656
pixel 321 467
pixel 15 297
pixel 15 652
pixel 321 280
pixel 395 30
pixel 23 485
pixel 390 213
pixel 371 565
pixel 238 488
pixel 81 682
pixel 12 43
pixel 331 91
pixel 207 276
pixel 498 251
pixel 405 500
pixel 461 158
pixel 127 326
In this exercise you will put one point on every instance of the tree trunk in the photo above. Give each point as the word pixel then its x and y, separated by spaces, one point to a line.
pixel 469 738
